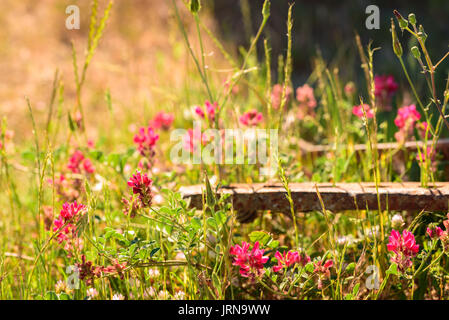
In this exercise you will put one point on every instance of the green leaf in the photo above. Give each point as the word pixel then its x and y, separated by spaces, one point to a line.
pixel 349 296
pixel 350 267
pixel 211 222
pixel 210 196
pixel 261 236
pixel 393 269
pixel 195 223
pixel 273 244
pixel 71 124
pixel 51 295
pixel 64 296
pixel 309 267
pixel 154 251
pixel 355 290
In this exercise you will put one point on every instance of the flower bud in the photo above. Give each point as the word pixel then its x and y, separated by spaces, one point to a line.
pixel 403 23
pixel 266 9
pixel 416 53
pixel 194 6
pixel 397 48
pixel 412 18
pixel 422 34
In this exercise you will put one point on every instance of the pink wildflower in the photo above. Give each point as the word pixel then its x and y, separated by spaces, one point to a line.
pixel 289 259
pixel 405 120
pixel 358 111
pixel 430 156
pixel 422 129
pixel 90 143
pixel 227 83
pixel 305 96
pixel 323 271
pixel 251 118
pixel 276 95
pixel 141 186
pixel 404 248
pixel 68 216
pixel 250 263
pixel 78 162
pixel 407 116
pixel 210 110
pixel 162 120
pixel 145 140
pixel 9 134
pixel 434 232
pixel 192 139
pixel 384 88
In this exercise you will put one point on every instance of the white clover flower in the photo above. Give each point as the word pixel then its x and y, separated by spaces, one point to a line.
pixel 397 221
pixel 92 293
pixel 118 296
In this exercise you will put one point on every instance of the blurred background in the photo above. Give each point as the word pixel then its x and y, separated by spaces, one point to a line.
pixel 142 59
pixel 329 26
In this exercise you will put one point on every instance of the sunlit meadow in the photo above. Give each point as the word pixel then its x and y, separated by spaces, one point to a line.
pixel 91 208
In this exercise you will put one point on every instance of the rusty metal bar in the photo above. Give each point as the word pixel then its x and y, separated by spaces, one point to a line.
pixel 247 199
pixel 440 145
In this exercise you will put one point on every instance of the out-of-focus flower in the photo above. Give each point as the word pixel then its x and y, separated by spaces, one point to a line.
pixel 193 138
pixel 306 100
pixel 78 118
pixel 131 206
pixel 305 96
pixel 78 163
pixel 162 120
pixel 384 88
pixel 405 121
pixel 349 89
pixel 423 129
pixel 322 270
pixel 9 134
pixel 434 232
pixel 118 296
pixel 61 286
pixel 404 248
pixel 430 155
pixel 90 143
pixel 153 273
pixel 358 111
pixel 146 140
pixel 250 262
pixel 92 293
pixel 289 259
pixel 397 221
pixel 251 118
pixel 48 217
pixel 180 295
pixel 210 110
pixel 407 116
pixel 384 85
pixel 180 256
pixel 276 95
pixel 163 295
pixel 227 83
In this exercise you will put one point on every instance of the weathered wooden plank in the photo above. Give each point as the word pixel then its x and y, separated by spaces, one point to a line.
pixel 247 199
pixel 441 145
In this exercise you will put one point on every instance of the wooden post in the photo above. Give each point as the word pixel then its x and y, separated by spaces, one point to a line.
pixel 248 199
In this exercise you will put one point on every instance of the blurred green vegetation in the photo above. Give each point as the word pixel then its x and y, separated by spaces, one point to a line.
pixel 329 26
